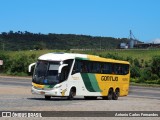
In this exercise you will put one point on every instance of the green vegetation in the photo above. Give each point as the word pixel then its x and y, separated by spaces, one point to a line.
pixel 145 64
pixel 19 49
pixel 16 41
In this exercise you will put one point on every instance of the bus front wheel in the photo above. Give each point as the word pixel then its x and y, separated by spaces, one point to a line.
pixel 72 93
pixel 110 94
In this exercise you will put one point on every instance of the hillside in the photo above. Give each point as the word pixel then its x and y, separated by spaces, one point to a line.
pixel 29 41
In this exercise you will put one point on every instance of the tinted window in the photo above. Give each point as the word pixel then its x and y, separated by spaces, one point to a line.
pixel 66 70
pixel 85 66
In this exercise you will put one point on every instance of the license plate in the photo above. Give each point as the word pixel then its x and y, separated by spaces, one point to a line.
pixel 42 93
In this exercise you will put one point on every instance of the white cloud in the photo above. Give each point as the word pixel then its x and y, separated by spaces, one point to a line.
pixel 156 40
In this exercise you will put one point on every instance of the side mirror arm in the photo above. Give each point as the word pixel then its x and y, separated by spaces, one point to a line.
pixel 30 66
pixel 60 68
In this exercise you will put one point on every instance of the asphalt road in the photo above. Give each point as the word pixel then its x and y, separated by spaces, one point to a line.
pixel 135 91
pixel 15 81
pixel 15 95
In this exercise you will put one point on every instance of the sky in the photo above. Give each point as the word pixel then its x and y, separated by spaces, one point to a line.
pixel 106 18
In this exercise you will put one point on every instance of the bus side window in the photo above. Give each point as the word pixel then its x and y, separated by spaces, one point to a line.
pixel 118 69
pixel 69 62
pixel 94 67
pixel 84 67
pixel 88 66
pixel 64 74
pixel 107 68
pixel 98 70
pixel 121 69
pixel 77 67
pixel 101 68
pixel 125 69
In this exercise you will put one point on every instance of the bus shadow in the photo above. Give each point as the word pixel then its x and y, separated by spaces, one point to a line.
pixel 63 99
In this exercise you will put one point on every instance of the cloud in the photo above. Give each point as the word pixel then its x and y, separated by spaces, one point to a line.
pixel 156 40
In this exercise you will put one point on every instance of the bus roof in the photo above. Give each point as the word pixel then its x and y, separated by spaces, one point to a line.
pixel 60 56
pixel 65 56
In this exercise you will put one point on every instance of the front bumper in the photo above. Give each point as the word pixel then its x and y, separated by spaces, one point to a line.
pixel 52 92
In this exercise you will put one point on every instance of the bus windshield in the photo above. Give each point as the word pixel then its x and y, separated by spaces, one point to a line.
pixel 46 73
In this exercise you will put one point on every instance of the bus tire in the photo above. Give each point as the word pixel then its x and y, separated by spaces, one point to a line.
pixel 47 97
pixel 115 94
pixel 72 93
pixel 110 94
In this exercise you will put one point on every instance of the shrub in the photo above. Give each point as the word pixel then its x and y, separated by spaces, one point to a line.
pixel 20 64
pixel 154 77
pixel 6 63
pixel 136 62
pixel 145 75
pixel 129 59
pixel 135 72
pixel 155 65
pixel 146 64
pixel 158 81
pixel 151 81
pixel 114 56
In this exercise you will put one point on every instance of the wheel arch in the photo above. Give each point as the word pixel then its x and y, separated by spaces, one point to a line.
pixel 117 89
pixel 74 89
pixel 110 89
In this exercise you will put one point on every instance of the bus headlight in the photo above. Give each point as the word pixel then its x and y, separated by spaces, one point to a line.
pixel 57 86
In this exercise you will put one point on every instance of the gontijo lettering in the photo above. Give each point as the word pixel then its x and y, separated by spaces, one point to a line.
pixel 109 78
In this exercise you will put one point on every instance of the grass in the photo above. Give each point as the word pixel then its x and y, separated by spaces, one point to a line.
pixel 146 55
pixel 37 52
pixel 134 53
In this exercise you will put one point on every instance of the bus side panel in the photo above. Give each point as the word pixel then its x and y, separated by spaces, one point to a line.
pixel 88 84
pixel 123 84
pixel 107 81
pixel 84 85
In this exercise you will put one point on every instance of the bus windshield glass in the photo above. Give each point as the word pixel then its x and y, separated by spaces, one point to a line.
pixel 46 73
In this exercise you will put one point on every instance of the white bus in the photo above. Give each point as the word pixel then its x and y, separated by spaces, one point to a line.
pixel 67 74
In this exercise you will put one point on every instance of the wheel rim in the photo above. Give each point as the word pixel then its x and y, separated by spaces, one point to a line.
pixel 71 95
pixel 116 95
pixel 110 95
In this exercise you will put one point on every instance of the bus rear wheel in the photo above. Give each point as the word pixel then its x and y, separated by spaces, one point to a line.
pixel 110 95
pixel 115 95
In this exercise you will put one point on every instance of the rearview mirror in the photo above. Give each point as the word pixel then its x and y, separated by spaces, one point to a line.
pixel 61 66
pixel 30 67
